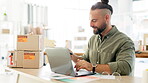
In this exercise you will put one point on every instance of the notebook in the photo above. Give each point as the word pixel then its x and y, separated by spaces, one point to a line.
pixel 60 62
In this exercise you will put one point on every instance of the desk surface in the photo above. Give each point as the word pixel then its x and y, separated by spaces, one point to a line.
pixel 43 74
pixel 141 55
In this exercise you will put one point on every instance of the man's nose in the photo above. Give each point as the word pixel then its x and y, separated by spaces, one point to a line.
pixel 91 24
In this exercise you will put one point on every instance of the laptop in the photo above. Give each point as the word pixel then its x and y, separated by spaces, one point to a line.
pixel 60 62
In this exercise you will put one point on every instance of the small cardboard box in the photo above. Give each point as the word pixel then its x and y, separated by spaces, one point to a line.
pixel 17 59
pixel 32 59
pixel 5 31
pixel 30 42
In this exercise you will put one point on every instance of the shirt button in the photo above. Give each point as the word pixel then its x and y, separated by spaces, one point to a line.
pixel 99 51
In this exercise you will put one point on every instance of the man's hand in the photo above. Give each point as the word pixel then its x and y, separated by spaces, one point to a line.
pixel 73 56
pixel 82 64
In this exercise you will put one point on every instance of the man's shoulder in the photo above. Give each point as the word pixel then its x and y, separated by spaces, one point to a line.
pixel 123 36
pixel 118 33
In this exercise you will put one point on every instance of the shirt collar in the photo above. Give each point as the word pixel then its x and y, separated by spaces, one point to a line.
pixel 111 32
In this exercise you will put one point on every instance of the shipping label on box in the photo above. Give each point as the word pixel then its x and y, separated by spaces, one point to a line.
pixel 29 56
pixel 32 59
pixel 21 38
pixel 30 42
pixel 11 62
pixel 15 59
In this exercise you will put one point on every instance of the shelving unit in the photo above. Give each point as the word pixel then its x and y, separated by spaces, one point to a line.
pixel 80 40
pixel 6 38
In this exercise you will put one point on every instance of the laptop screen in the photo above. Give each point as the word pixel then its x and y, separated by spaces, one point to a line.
pixel 60 60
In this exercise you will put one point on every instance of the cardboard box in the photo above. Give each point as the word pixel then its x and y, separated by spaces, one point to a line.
pixel 5 31
pixel 30 42
pixel 17 59
pixel 32 59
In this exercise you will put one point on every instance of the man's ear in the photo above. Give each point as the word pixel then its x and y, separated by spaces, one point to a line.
pixel 107 18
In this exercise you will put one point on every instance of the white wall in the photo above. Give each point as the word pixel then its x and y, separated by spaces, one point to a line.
pixel 64 16
pixel 13 8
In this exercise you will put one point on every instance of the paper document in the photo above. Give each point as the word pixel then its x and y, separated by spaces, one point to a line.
pixel 83 79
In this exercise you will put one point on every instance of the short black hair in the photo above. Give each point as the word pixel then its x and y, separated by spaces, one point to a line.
pixel 102 5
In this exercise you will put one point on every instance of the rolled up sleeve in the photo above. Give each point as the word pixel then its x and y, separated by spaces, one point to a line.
pixel 125 59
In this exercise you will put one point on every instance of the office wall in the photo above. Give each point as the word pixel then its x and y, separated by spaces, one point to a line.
pixel 68 15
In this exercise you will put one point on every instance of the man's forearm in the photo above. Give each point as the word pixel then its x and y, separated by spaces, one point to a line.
pixel 76 57
pixel 103 68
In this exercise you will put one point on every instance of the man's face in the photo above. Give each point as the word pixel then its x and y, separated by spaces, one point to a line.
pixel 97 21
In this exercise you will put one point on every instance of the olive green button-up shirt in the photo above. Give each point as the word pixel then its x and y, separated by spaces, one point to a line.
pixel 115 49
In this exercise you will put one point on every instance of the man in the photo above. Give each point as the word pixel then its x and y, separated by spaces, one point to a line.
pixel 108 49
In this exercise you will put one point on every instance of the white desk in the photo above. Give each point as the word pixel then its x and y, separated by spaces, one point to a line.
pixel 43 74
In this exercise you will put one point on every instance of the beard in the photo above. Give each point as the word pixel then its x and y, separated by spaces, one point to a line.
pixel 99 29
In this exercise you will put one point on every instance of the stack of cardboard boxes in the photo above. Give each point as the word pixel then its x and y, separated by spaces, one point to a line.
pixel 28 53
